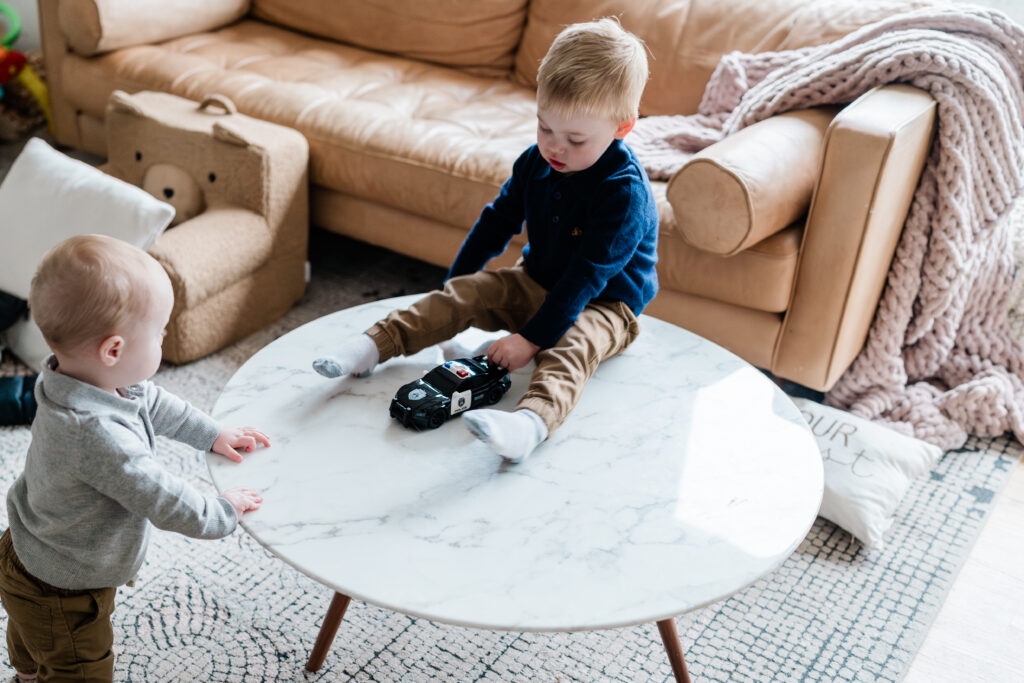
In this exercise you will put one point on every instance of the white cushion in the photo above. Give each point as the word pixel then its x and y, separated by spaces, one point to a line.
pixel 47 197
pixel 868 469
pixel 25 340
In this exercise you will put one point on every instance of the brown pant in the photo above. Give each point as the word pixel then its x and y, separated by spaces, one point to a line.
pixel 506 299
pixel 62 635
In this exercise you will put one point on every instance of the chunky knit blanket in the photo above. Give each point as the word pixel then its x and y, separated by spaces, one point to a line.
pixel 939 362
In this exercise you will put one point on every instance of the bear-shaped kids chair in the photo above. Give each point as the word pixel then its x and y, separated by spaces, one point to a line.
pixel 236 251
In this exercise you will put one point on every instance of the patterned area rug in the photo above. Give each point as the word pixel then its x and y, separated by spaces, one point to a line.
pixel 229 611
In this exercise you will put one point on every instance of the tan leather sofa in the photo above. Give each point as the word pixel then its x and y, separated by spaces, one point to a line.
pixel 775 243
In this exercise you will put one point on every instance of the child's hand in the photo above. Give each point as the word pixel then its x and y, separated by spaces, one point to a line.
pixel 243 500
pixel 512 352
pixel 231 438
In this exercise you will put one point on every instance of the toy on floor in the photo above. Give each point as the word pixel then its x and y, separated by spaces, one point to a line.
pixel 449 389
pixel 13 25
pixel 25 101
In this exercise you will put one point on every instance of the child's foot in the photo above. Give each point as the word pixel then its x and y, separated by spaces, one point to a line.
pixel 357 356
pixel 513 435
pixel 453 350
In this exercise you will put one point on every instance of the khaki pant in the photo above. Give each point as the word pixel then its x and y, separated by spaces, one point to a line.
pixel 62 635
pixel 506 299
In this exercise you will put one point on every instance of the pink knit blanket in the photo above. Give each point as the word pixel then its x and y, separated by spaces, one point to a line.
pixel 939 362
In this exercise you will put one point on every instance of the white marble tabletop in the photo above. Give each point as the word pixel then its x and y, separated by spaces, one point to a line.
pixel 683 476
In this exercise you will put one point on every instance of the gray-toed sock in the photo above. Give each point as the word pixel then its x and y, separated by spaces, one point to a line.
pixel 357 356
pixel 513 435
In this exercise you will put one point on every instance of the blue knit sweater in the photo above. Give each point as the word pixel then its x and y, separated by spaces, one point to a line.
pixel 590 235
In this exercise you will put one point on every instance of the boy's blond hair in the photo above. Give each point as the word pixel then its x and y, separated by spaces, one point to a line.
pixel 596 68
pixel 87 287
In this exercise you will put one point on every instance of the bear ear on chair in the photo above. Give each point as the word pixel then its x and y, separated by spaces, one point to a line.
pixel 121 101
pixel 225 132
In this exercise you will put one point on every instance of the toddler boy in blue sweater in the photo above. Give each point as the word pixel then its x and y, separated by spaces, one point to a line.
pixel 588 268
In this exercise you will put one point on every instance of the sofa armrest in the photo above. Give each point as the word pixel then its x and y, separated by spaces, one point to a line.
pixel 874 152
pixel 751 185
pixel 95 26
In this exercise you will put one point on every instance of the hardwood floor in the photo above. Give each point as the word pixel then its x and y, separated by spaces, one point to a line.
pixel 978 635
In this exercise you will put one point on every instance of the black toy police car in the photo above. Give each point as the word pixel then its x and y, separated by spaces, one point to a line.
pixel 449 389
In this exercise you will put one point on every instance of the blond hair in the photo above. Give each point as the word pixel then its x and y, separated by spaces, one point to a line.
pixel 87 287
pixel 595 68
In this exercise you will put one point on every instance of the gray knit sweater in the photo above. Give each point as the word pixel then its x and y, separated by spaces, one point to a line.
pixel 80 513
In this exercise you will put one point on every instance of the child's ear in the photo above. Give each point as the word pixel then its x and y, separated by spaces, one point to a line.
pixel 624 128
pixel 111 349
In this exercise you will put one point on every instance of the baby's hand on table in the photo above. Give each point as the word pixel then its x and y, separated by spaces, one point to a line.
pixel 512 352
pixel 243 500
pixel 231 438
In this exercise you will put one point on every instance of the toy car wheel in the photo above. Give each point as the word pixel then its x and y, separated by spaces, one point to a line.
pixel 494 395
pixel 436 419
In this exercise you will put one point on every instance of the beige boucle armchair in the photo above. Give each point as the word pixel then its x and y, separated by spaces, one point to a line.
pixel 415 110
pixel 236 254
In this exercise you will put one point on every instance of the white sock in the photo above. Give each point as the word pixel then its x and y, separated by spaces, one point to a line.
pixel 453 350
pixel 357 356
pixel 513 435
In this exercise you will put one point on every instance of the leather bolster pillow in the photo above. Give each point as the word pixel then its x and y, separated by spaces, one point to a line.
pixel 95 26
pixel 752 184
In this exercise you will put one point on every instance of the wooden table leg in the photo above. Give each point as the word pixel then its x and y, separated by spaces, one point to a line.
pixel 667 628
pixel 328 630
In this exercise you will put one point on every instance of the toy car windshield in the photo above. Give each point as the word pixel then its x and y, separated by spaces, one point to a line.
pixel 450 376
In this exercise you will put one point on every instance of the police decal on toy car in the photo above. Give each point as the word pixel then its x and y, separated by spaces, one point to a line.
pixel 449 389
pixel 462 400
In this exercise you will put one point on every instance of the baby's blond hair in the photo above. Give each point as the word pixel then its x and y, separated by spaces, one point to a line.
pixel 596 68
pixel 87 287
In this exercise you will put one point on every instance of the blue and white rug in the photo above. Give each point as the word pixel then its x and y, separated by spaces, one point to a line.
pixel 228 611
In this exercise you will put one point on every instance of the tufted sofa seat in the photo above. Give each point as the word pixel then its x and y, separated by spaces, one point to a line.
pixel 414 119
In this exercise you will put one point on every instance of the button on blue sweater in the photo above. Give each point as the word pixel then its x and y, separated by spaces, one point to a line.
pixel 590 235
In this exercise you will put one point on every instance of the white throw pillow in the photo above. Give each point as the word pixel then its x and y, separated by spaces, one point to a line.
pixel 25 340
pixel 868 469
pixel 47 197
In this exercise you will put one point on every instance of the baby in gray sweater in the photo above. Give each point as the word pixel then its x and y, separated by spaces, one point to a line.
pixel 82 511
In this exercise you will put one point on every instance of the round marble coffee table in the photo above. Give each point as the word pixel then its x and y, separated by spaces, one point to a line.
pixel 683 476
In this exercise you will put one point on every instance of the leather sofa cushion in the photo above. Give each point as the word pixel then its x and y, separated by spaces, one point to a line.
pixel 732 195
pixel 429 140
pixel 759 278
pixel 749 334
pixel 687 38
pixel 94 26
pixel 479 37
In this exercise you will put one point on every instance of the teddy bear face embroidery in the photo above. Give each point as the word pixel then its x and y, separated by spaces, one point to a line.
pixel 176 186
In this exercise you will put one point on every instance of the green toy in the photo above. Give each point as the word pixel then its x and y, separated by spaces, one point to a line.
pixel 13 25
